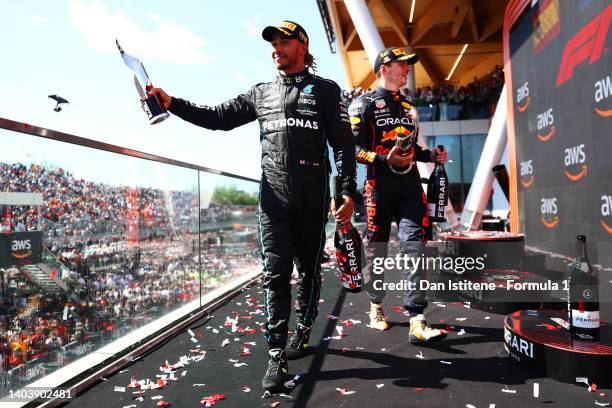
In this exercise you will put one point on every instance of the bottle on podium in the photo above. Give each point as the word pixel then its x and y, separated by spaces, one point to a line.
pixel 583 301
pixel 437 192
pixel 348 250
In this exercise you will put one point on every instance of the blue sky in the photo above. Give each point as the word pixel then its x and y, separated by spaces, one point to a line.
pixel 205 51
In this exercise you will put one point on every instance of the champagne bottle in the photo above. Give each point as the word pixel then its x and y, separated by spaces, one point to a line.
pixel 348 251
pixel 437 193
pixel 583 301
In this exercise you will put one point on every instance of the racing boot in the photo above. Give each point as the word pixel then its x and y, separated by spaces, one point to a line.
pixel 378 320
pixel 420 331
pixel 298 344
pixel 276 373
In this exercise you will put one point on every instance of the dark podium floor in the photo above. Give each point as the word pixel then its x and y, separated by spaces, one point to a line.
pixel 375 369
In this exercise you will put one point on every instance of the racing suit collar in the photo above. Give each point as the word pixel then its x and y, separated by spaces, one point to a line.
pixel 293 79
pixel 395 95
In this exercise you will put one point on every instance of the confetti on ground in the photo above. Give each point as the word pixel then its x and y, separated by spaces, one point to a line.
pixel 446 362
pixel 420 355
pixel 602 404
pixel 199 385
pixel 380 385
pixel 123 371
pixel 291 382
pixel 157 397
pixel 119 389
pixel 225 342
pixel 237 365
pixel 461 319
pixel 536 390
pixel 469 406
pixel 509 391
pixel 246 389
pixel 163 403
pixel 275 404
pixel 212 399
pixel 461 332
pixel 343 391
pixel 487 317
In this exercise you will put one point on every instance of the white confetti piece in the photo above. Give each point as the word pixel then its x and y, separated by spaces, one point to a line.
pixel 238 365
pixel 383 349
pixel 380 385
pixel 157 397
pixel 225 342
pixel 119 389
pixel 446 362
pixel 508 391
pixel 536 390
pixel 420 355
pixel 199 385
pixel 231 360
pixel 194 340
pixel 461 332
pixel 491 405
pixel 291 382
pixel 340 330
pixel 487 317
pixel 184 373
pixel 582 380
pixel 191 333
pixel 246 389
pixel 251 343
pixel 461 319
pixel 215 331
pixel 130 406
pixel 123 371
pixel 602 404
pixel 469 406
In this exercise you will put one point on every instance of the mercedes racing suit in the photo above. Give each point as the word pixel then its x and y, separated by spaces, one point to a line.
pixel 377 117
pixel 298 114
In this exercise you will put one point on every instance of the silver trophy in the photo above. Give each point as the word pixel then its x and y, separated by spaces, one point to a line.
pixel 405 140
pixel 151 105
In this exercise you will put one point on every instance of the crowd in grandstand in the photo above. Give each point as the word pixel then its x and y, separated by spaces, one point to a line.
pixel 109 280
pixel 449 102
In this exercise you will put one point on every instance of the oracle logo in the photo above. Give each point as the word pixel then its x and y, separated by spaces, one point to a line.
pixel 546 119
pixel 575 156
pixel 527 177
pixel 586 43
pixel 549 211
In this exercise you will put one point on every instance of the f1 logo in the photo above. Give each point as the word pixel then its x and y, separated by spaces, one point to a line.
pixel 589 41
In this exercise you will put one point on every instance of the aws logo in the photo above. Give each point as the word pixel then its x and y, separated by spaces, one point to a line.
pixel 606 211
pixel 588 43
pixel 549 211
pixel 574 156
pixel 546 120
pixel 603 90
pixel 522 97
pixel 21 248
pixel 527 177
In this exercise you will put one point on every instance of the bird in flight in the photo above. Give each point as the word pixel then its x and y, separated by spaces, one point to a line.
pixel 59 101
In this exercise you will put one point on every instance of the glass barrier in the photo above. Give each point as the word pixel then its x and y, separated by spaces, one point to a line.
pixel 114 243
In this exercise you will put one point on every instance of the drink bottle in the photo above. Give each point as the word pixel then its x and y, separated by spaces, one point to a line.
pixel 437 192
pixel 348 251
pixel 583 301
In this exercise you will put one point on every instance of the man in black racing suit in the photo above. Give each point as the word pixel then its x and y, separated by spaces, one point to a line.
pixel 298 114
pixel 378 118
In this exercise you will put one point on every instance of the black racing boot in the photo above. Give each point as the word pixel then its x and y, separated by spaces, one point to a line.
pixel 298 344
pixel 276 374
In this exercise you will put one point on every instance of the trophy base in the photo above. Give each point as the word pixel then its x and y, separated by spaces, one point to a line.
pixel 159 118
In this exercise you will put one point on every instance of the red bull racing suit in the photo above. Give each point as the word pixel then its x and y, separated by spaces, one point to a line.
pixel 377 117
pixel 298 115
